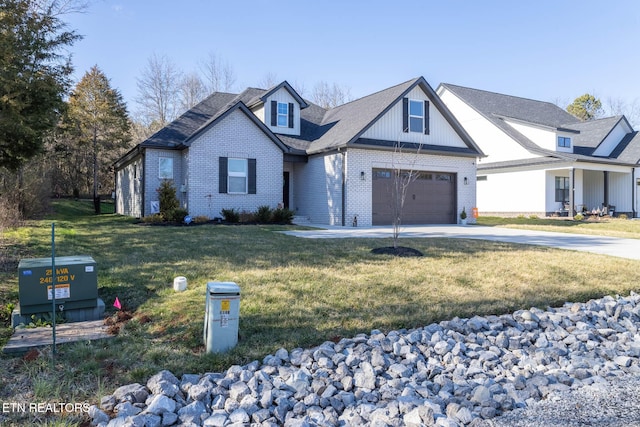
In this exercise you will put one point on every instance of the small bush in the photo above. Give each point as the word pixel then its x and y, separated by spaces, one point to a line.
pixel 201 219
pixel 282 216
pixel 231 216
pixel 179 214
pixel 533 217
pixel 247 217
pixel 578 217
pixel 263 214
pixel 153 219
pixel 623 216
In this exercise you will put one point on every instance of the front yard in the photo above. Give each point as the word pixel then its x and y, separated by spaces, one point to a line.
pixel 294 293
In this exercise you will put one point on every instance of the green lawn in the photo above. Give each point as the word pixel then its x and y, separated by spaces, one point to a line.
pixel 295 292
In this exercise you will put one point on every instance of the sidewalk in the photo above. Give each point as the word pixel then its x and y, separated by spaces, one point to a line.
pixel 623 248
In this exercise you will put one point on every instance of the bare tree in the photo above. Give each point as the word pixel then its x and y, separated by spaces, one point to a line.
pixel 192 91
pixel 402 176
pixel 218 76
pixel 158 90
pixel 618 107
pixel 268 80
pixel 330 95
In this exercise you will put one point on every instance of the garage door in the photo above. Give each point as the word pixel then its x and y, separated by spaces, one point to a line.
pixel 430 199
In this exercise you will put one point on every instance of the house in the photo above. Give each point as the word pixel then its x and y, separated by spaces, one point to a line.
pixel 541 160
pixel 330 166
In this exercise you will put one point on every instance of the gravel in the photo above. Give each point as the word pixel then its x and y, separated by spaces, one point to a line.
pixel 568 366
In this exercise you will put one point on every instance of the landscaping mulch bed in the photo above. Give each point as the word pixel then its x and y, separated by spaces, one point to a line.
pixel 400 251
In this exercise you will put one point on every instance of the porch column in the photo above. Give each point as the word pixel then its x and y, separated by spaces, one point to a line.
pixel 572 193
pixel 606 189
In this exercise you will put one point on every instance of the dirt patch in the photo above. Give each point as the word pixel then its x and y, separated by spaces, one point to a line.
pixel 400 251
pixel 117 321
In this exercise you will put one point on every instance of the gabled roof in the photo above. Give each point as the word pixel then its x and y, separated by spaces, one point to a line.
pixel 587 136
pixel 320 129
pixel 343 125
pixel 493 105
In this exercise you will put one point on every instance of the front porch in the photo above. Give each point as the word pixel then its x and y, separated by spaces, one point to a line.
pixel 598 191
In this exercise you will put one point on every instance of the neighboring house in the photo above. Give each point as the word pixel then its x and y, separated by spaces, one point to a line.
pixel 542 160
pixel 272 147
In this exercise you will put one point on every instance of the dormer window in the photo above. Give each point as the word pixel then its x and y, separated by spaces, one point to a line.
pixel 415 115
pixel 564 142
pixel 282 114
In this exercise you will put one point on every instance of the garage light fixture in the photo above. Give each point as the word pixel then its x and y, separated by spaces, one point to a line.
pixel 466 181
pixel 362 175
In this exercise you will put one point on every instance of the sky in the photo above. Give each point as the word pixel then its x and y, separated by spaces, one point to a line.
pixel 549 50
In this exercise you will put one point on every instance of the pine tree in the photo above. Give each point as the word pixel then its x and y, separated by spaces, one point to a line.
pixel 98 125
pixel 34 77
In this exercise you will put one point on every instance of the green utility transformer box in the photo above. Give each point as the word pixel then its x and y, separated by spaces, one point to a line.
pixel 76 281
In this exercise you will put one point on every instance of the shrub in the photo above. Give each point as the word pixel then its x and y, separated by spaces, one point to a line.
pixel 247 217
pixel 201 219
pixel 263 214
pixel 231 216
pixel 282 216
pixel 179 214
pixel 153 219
pixel 623 216
pixel 533 217
pixel 168 199
pixel 578 217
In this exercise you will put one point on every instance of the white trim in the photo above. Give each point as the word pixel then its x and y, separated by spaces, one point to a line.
pixel 238 174
pixel 279 114
pixel 421 102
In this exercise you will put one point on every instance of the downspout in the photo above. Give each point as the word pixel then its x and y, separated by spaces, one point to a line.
pixel 633 192
pixel 344 185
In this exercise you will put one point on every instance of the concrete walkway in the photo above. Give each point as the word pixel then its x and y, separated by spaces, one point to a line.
pixel 623 248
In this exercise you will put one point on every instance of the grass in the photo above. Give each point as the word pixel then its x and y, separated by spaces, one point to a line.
pixel 614 227
pixel 294 293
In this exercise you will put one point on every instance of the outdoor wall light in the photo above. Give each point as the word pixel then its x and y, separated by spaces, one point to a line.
pixel 466 181
pixel 362 175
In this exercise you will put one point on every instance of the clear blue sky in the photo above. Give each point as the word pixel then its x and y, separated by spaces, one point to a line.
pixel 548 49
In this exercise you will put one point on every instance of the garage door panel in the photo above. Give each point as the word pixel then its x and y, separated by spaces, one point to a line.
pixel 430 199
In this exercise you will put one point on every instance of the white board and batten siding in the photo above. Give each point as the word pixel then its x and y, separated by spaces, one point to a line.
pixel 496 144
pixel 613 139
pixel 283 96
pixel 389 126
pixel 503 192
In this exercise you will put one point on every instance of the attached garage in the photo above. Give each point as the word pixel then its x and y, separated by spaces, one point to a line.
pixel 430 198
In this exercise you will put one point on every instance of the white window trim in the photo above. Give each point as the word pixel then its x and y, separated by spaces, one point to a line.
pixel 279 114
pixel 231 174
pixel 161 169
pixel 416 116
pixel 565 138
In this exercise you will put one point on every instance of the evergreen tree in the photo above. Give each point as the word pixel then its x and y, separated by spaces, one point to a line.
pixel 34 78
pixel 99 126
pixel 586 107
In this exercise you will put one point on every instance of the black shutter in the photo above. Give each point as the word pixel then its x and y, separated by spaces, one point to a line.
pixel 426 117
pixel 222 174
pixel 405 114
pixel 252 176
pixel 291 115
pixel 274 113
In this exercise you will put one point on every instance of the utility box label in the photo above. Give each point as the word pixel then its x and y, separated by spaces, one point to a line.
pixel 225 305
pixel 62 291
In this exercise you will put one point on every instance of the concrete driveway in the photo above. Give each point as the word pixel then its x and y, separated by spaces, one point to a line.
pixel 623 248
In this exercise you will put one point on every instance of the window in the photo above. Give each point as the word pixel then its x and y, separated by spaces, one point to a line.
pixel 237 170
pixel 562 189
pixel 283 115
pixel 237 176
pixel 416 116
pixel 564 142
pixel 165 168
